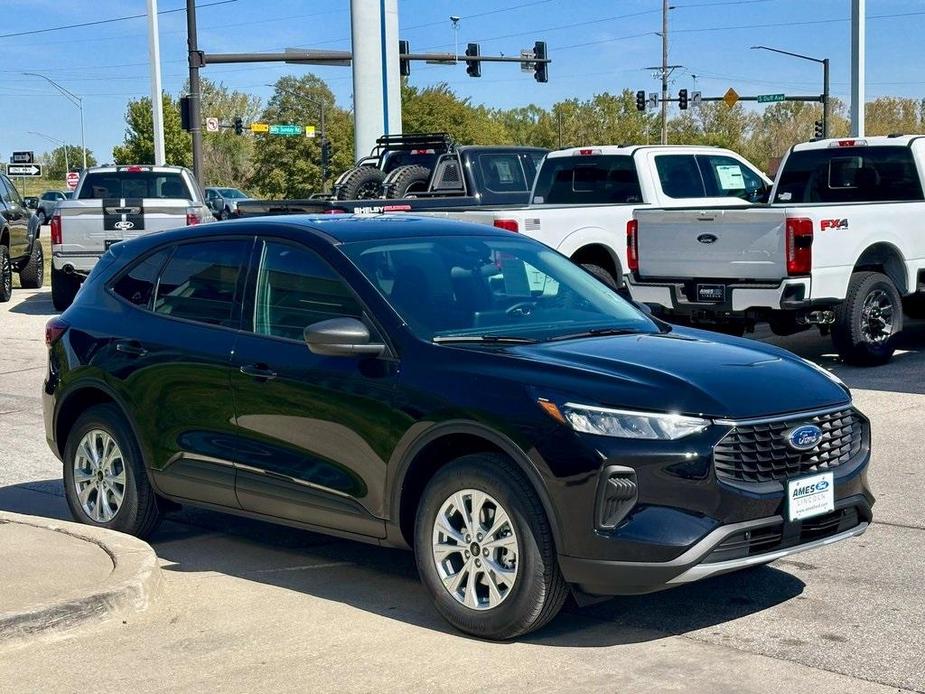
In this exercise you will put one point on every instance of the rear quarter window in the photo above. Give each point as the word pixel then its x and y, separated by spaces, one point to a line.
pixel 849 174
pixel 587 180
pixel 137 284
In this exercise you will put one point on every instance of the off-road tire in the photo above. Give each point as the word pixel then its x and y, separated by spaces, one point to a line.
pixel 539 589
pixel 32 274
pixel 63 289
pixel 6 275
pixel 847 332
pixel 139 514
pixel 405 181
pixel 363 183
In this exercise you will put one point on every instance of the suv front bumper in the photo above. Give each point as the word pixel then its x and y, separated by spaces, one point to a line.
pixel 707 557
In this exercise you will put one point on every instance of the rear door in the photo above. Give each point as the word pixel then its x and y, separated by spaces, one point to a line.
pixel 732 244
pixel 17 217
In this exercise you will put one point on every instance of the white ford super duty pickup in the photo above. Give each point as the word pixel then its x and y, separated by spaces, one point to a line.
pixel 839 246
pixel 111 204
pixel 583 197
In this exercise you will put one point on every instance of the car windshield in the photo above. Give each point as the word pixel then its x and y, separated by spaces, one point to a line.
pixel 231 193
pixel 454 288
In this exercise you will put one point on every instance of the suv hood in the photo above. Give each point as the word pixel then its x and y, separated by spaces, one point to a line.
pixel 686 371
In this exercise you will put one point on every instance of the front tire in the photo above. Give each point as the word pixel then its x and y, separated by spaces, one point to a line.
pixel 868 320
pixel 504 580
pixel 63 289
pixel 32 274
pixel 105 482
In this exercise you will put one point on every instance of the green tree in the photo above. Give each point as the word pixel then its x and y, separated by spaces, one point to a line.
pixel 138 147
pixel 890 114
pixel 56 164
pixel 227 158
pixel 290 167
pixel 438 109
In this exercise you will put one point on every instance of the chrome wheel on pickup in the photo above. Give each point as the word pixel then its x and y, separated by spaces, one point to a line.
pixel 867 322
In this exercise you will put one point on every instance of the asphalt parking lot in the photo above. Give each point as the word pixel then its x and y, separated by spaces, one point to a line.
pixel 248 606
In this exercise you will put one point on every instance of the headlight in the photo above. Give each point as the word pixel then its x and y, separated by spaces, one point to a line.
pixel 624 424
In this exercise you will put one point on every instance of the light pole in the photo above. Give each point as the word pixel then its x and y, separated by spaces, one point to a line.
pixel 320 104
pixel 67 166
pixel 74 99
pixel 825 81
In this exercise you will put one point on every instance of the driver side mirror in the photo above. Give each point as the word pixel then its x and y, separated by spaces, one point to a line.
pixel 341 337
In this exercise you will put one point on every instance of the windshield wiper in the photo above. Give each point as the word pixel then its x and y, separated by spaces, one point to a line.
pixel 483 339
pixel 596 332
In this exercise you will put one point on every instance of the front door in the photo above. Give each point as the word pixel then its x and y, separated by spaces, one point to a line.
pixel 314 431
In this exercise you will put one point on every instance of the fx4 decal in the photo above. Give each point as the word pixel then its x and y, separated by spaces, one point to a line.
pixel 833 224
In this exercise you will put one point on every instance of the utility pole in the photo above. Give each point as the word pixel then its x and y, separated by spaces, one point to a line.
pixel 195 105
pixel 664 103
pixel 858 49
pixel 157 104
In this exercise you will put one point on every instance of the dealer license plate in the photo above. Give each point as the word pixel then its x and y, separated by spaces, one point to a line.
pixel 810 496
pixel 711 293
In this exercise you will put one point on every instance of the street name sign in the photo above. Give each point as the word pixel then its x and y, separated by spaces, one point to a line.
pixel 23 169
pixel 770 98
pixel 287 129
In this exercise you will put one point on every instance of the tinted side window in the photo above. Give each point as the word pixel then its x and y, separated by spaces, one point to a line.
pixel 137 285
pixel 200 281
pixel 726 177
pixel 680 176
pixel 849 174
pixel 5 191
pixel 502 173
pixel 296 288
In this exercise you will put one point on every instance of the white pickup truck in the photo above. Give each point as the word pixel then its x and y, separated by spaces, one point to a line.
pixel 583 198
pixel 112 204
pixel 839 246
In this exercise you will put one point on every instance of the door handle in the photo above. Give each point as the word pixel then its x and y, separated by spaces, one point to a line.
pixel 131 348
pixel 258 371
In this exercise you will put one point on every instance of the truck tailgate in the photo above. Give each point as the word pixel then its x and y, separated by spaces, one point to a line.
pixel 742 244
pixel 94 225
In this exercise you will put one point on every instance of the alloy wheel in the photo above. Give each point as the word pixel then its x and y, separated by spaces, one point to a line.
pixel 877 317
pixel 99 475
pixel 6 274
pixel 475 549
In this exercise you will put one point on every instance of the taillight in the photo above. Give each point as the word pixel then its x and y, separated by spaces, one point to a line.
pixel 56 228
pixel 799 246
pixel 507 224
pixel 54 329
pixel 632 245
pixel 192 216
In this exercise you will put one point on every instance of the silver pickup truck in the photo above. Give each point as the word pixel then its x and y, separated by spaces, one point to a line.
pixel 112 204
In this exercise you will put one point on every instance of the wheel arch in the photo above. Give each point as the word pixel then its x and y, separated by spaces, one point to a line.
pixel 886 258
pixel 5 236
pixel 436 448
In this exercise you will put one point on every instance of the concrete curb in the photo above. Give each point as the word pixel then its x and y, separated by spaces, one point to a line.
pixel 133 583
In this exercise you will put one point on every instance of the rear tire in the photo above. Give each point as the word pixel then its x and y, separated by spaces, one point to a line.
pixel 6 275
pixel 522 577
pixel 32 274
pixel 93 470
pixel 363 183
pixel 602 274
pixel 63 289
pixel 406 180
pixel 868 320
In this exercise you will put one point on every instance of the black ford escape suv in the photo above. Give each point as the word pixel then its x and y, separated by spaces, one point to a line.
pixel 450 388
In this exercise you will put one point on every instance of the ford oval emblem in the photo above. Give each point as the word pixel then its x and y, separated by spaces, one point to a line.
pixel 124 226
pixel 803 438
pixel 707 238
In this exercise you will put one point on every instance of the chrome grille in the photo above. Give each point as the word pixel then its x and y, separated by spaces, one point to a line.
pixel 761 453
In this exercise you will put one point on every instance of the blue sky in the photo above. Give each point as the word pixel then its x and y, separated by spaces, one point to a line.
pixel 595 45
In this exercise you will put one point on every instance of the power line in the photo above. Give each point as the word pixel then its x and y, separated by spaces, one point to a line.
pixel 111 20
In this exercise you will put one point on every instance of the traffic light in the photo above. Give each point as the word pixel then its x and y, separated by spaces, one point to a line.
pixel 640 100
pixel 473 67
pixel 682 99
pixel 325 158
pixel 818 129
pixel 404 65
pixel 238 126
pixel 185 118
pixel 540 69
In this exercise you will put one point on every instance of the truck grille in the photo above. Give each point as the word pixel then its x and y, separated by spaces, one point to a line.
pixel 761 452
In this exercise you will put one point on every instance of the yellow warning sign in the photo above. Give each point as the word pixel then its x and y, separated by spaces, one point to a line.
pixel 260 127
pixel 731 97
